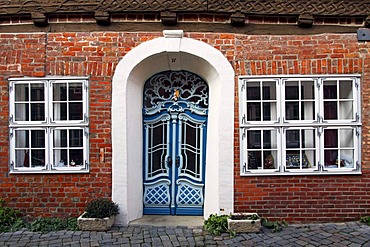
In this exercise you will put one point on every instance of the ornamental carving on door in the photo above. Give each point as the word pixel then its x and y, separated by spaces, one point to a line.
pixel 175 87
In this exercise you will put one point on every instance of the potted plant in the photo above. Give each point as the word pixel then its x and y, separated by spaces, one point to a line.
pixel 244 222
pixel 99 215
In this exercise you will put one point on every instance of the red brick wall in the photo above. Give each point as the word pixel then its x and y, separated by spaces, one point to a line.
pixel 305 198
pixel 96 54
pixel 63 54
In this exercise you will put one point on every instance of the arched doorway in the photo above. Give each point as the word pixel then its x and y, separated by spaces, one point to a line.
pixel 171 52
pixel 175 109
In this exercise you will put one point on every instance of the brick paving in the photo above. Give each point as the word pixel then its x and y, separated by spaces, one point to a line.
pixel 350 234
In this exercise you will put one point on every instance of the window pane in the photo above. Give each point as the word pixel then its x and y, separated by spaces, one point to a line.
pixel 269 90
pixel 253 111
pixel 75 111
pixel 330 138
pixel 63 96
pixel 60 158
pixel 254 139
pixel 331 148
pixel 308 91
pixel 269 160
pixel 21 138
pixel 22 148
pixel 37 157
pixel 21 112
pixel 25 109
pixel 262 156
pixel 254 160
pixel 308 138
pixel 22 158
pixel 37 112
pixel 37 138
pixel 330 90
pixel 76 157
pixel 37 92
pixel 345 90
pixel 21 92
pixel 291 91
pixel 253 91
pixel 75 91
pixel 292 139
pixel 299 100
pixel 346 110
pixel 308 110
pixel 330 110
pixel 76 138
pixel 346 158
pixel 269 111
pixel 330 158
pixel 300 148
pixel 261 101
pixel 60 138
pixel 309 159
pixel 346 138
pixel 292 110
pixel 59 92
pixel 60 111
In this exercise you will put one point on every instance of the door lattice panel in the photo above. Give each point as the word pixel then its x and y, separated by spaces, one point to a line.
pixel 158 195
pixel 189 195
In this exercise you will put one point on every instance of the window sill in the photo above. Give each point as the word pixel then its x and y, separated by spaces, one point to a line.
pixel 48 172
pixel 326 173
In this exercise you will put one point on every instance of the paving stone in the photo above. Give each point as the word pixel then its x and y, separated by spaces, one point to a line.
pixel 338 234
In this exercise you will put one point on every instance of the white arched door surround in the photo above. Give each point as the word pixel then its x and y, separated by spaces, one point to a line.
pixel 171 52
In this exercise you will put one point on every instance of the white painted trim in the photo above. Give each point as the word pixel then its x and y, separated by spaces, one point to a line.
pixel 131 73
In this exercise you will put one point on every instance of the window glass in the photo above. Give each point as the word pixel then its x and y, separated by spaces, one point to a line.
pixel 29 102
pixel 67 101
pixel 300 125
pixel 261 100
pixel 262 149
pixel 299 100
pixel 48 125
pixel 300 148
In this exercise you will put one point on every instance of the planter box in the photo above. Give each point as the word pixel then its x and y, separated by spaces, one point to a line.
pixel 95 224
pixel 244 225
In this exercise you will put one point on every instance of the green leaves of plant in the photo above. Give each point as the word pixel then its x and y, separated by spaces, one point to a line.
pixel 101 208
pixel 275 226
pixel 217 224
pixel 8 218
pixel 53 224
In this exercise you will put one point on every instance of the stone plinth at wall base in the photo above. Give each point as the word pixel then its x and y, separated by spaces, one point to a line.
pixel 244 225
pixel 95 224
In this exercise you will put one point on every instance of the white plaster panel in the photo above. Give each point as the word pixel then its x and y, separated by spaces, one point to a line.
pixel 131 73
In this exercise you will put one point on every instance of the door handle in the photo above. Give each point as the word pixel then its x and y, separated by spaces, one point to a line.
pixel 177 161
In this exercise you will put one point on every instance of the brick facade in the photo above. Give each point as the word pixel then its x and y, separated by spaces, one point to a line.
pixel 96 54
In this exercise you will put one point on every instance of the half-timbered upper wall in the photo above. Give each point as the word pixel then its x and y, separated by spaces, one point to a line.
pixel 304 13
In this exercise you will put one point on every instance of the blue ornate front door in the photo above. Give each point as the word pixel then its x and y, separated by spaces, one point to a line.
pixel 175 111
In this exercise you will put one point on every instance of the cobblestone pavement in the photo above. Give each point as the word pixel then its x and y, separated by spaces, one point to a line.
pixel 334 234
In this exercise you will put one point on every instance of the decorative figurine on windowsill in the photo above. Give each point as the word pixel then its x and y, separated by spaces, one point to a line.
pixel 61 163
pixel 72 163
pixel 269 162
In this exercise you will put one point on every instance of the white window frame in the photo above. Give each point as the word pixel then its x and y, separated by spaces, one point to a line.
pixel 318 124
pixel 49 126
